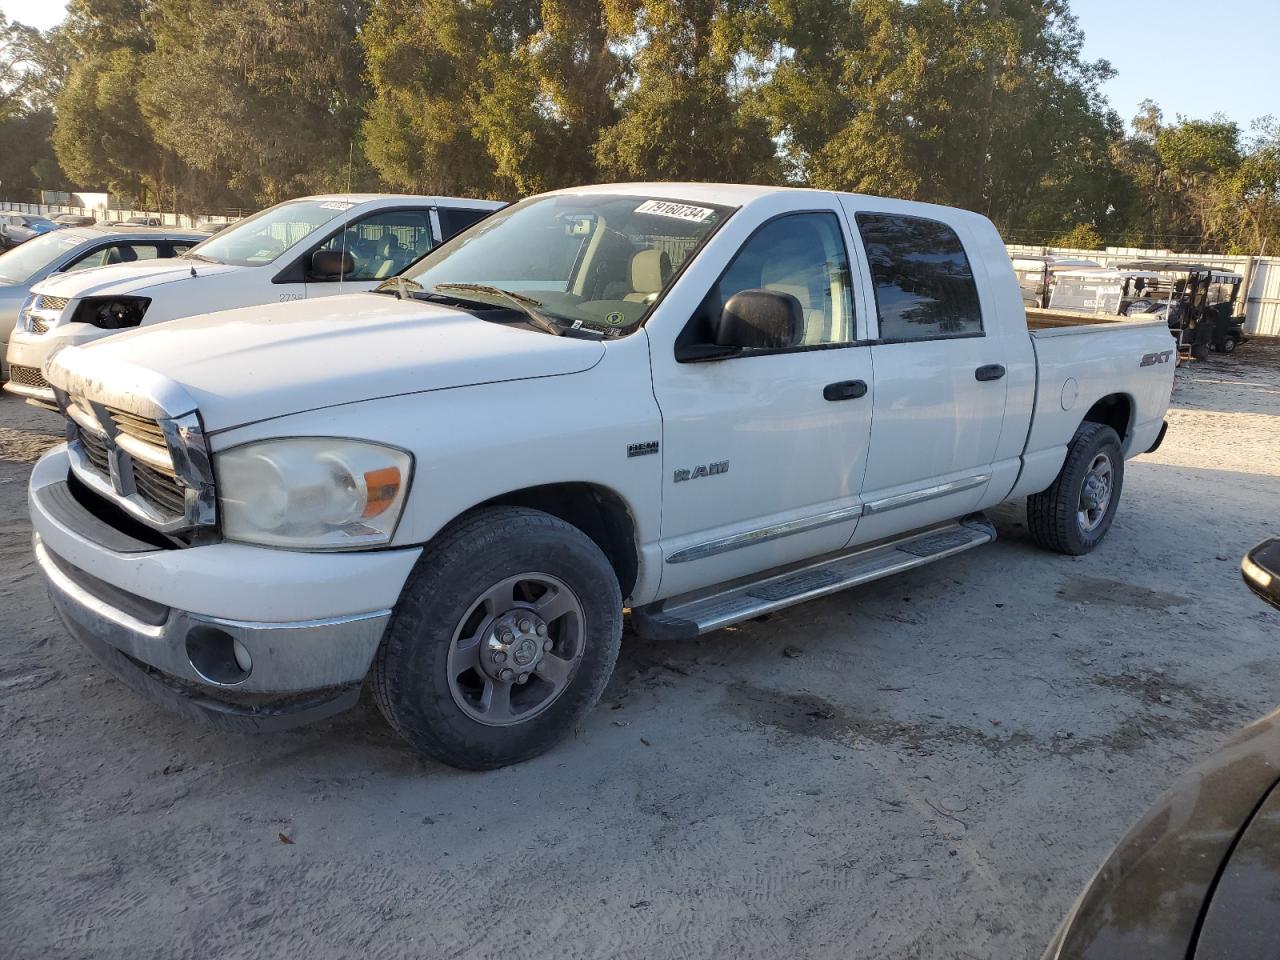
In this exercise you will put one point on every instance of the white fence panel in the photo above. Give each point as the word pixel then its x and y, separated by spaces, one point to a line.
pixel 110 214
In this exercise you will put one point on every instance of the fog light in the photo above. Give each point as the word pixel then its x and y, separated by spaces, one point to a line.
pixel 241 653
pixel 217 656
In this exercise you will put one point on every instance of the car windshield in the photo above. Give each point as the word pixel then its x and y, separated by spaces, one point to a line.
pixel 260 239
pixel 598 261
pixel 22 263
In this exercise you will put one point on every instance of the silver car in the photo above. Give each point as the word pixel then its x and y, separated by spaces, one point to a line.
pixel 78 248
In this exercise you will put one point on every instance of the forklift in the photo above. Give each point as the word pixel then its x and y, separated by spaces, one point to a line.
pixel 1198 302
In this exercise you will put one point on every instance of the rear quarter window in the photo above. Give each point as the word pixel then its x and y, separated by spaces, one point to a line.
pixel 924 286
pixel 456 219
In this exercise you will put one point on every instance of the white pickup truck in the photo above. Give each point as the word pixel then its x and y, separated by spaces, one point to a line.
pixel 700 402
pixel 296 250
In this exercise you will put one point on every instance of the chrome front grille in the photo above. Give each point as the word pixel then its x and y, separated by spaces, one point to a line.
pixel 27 376
pixel 40 313
pixel 157 470
pixel 140 428
pixel 95 449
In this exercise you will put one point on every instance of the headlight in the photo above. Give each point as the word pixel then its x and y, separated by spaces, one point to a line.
pixel 312 493
pixel 1256 573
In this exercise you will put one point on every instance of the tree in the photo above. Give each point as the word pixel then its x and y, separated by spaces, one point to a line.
pixel 100 136
pixel 987 105
pixel 683 113
pixel 489 98
pixel 289 93
pixel 30 76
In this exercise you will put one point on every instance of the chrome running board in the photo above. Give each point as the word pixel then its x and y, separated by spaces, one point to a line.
pixel 693 614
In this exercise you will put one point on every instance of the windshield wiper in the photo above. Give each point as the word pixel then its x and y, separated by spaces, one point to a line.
pixel 526 305
pixel 402 287
pixel 198 256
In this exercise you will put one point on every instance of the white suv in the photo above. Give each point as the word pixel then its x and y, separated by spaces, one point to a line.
pixel 296 250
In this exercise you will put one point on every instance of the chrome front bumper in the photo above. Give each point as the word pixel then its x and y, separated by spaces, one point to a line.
pixel 297 672
pixel 159 617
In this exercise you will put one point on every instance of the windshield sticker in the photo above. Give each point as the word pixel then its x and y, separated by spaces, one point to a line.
pixel 336 205
pixel 679 211
pixel 615 319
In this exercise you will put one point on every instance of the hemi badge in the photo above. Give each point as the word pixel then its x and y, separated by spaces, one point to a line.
pixel 642 449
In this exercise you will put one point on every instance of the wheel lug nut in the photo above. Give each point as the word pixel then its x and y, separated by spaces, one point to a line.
pixel 498 656
pixel 506 636
pixel 542 629
pixel 506 673
pixel 526 626
pixel 546 644
pixel 523 678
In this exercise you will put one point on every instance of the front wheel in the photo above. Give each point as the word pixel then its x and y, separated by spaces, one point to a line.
pixel 1228 345
pixel 503 639
pixel 1075 513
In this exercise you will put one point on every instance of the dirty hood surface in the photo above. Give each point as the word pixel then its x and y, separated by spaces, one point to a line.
pixel 256 363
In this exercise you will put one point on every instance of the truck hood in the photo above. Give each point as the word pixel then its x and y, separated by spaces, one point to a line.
pixel 129 278
pixel 256 363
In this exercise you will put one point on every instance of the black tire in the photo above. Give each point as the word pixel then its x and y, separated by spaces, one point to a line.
pixel 1228 345
pixel 1200 351
pixel 1054 515
pixel 411 672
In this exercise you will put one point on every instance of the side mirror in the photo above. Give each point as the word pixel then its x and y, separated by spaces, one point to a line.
pixel 760 320
pixel 1261 571
pixel 332 264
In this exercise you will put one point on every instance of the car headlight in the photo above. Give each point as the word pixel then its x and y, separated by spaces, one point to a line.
pixel 312 493
pixel 1255 573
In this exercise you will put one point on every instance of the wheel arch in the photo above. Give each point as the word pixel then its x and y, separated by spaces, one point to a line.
pixel 598 511
pixel 1116 411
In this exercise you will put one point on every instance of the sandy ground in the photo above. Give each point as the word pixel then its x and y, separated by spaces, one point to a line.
pixel 933 771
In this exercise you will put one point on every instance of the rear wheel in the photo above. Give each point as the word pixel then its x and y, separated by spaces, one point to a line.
pixel 1228 345
pixel 503 639
pixel 1074 514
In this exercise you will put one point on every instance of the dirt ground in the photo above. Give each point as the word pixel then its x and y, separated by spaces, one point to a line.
pixel 926 767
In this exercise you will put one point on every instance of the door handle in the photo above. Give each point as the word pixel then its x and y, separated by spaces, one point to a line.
pixel 992 371
pixel 845 390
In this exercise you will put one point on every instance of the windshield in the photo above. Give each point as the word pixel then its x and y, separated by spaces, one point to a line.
pixel 1087 296
pixel 262 238
pixel 599 261
pixel 22 263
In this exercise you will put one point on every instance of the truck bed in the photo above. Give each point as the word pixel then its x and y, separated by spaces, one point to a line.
pixel 1043 323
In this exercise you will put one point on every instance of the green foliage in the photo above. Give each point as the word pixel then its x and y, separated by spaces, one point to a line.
pixel 287 94
pixel 30 76
pixel 1080 237
pixel 986 104
pixel 683 116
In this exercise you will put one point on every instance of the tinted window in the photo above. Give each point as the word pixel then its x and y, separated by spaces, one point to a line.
pixel 455 219
pixel 924 287
pixel 384 244
pixel 802 255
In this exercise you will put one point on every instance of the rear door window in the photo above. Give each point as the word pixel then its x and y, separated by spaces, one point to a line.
pixel 116 253
pixel 924 287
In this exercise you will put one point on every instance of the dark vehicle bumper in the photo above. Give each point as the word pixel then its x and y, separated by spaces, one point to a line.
pixel 1164 428
pixel 1146 901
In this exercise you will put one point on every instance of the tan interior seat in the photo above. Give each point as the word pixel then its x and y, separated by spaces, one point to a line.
pixel 650 270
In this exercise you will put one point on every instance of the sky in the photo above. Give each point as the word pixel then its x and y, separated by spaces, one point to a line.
pixel 1190 56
